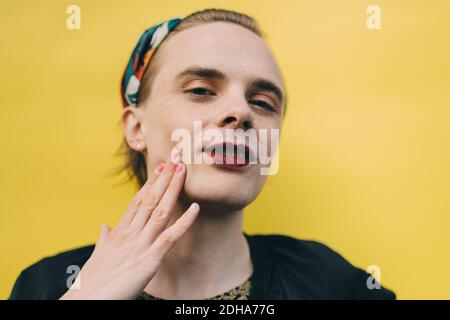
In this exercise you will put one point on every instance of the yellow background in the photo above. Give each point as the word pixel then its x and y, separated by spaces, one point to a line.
pixel 365 147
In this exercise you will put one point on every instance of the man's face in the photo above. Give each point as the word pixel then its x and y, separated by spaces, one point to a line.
pixel 185 90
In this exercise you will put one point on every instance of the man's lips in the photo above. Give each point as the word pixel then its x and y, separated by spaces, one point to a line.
pixel 230 155
pixel 229 160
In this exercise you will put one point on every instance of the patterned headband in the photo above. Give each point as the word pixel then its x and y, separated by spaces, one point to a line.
pixel 140 58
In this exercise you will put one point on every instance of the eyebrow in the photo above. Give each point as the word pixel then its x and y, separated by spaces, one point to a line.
pixel 214 74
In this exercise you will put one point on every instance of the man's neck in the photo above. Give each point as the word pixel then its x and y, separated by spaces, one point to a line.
pixel 211 258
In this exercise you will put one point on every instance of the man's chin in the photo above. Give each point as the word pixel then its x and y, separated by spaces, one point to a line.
pixel 222 190
pixel 218 198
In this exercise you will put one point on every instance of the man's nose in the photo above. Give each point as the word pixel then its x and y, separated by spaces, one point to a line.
pixel 238 115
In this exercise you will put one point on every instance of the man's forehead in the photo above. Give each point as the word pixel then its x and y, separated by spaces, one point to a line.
pixel 213 46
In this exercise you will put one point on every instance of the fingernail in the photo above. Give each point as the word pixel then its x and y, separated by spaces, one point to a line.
pixel 194 207
pixel 179 168
pixel 160 167
pixel 175 156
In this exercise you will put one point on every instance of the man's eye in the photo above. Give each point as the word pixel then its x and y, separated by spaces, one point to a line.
pixel 200 91
pixel 263 104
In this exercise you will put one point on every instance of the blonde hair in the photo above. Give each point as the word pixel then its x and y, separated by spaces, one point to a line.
pixel 135 164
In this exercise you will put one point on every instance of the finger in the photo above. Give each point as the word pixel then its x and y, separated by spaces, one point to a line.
pixel 161 214
pixel 152 197
pixel 104 231
pixel 137 199
pixel 172 234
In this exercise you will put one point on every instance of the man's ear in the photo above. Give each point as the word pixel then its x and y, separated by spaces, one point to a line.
pixel 133 129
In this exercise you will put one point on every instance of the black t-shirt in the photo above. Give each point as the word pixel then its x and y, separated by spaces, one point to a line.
pixel 283 268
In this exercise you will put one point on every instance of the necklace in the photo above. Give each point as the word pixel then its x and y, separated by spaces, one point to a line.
pixel 241 292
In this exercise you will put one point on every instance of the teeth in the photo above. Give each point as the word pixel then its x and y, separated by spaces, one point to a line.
pixel 229 149
pixel 241 151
